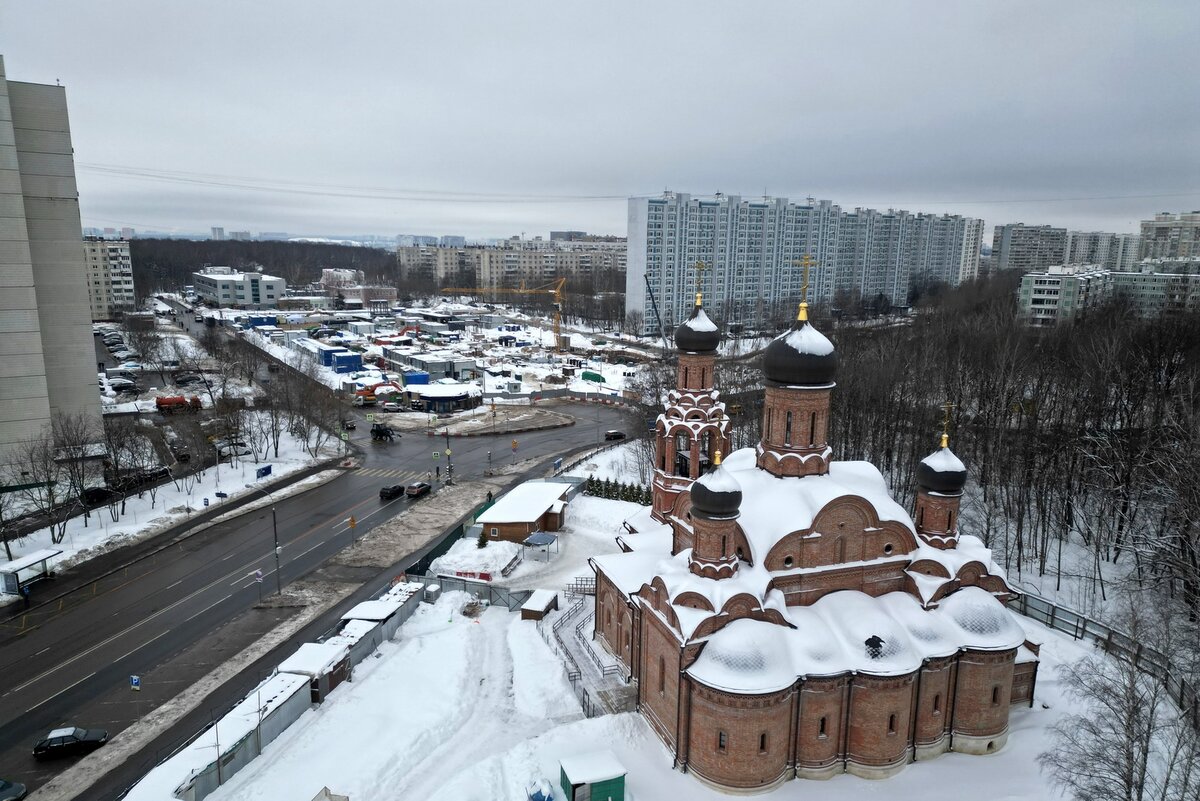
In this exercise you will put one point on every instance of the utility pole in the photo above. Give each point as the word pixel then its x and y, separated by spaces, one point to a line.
pixel 275 536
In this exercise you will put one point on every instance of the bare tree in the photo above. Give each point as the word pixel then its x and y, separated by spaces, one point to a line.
pixel 77 441
pixel 45 486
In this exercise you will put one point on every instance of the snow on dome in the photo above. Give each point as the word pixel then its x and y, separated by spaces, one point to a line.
pixel 746 656
pixel 807 339
pixel 943 460
pixel 983 618
pixel 720 480
pixel 700 322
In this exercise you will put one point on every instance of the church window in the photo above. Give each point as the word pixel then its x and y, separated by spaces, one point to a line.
pixel 949 521
pixel 841 549
pixel 685 377
pixel 721 741
pixel 996 695
pixel 662 676
pixel 741 554
pixel 891 724
pixel 723 545
pixel 921 516
pixel 787 430
pixel 821 728
pixel 812 428
pixel 887 548
pixel 769 416
pixel 788 561
pixel 762 743
pixel 937 704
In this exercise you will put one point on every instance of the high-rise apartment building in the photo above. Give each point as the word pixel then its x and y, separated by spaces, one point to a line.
pixel 513 264
pixel 1017 246
pixel 110 277
pixel 1110 251
pixel 48 367
pixel 1171 236
pixel 218 234
pixel 749 249
pixel 1063 293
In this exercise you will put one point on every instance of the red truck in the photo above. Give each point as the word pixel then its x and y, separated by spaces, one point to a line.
pixel 171 404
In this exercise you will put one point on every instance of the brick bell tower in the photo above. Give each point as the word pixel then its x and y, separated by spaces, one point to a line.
pixel 799 366
pixel 941 477
pixel 693 426
pixel 716 500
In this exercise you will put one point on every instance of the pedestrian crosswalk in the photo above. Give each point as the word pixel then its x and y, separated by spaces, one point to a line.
pixel 403 475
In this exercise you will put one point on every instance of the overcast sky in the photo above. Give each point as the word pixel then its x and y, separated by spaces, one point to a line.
pixel 496 118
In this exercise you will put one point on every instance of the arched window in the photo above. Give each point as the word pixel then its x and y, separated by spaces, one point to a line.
pixel 762 743
pixel 950 521
pixel 812 428
pixel 662 676
pixel 821 729
pixel 722 741
pixel 769 416
pixel 787 430
pixel 920 516
pixel 996 695
pixel 937 704
pixel 723 538
pixel 891 724
pixel 685 377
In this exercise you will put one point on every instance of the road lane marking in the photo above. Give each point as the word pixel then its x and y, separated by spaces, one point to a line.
pixel 60 692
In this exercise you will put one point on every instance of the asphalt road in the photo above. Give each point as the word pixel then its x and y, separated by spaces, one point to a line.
pixel 85 645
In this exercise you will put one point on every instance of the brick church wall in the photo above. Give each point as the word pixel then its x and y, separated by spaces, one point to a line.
pixel 740 741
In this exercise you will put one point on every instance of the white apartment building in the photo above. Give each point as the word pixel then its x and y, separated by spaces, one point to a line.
pixel 750 247
pixel 1111 251
pixel 48 368
pixel 1171 236
pixel 225 286
pixel 110 277
pixel 1062 293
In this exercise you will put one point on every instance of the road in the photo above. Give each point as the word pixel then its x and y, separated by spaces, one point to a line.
pixel 61 655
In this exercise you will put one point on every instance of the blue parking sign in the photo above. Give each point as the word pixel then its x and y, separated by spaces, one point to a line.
pixel 135 683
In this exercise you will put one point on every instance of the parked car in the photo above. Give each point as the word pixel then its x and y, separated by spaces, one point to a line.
pixel 130 365
pixel 188 378
pixel 134 481
pixel 199 318
pixel 98 496
pixel 233 449
pixel 391 406
pixel 69 741
pixel 123 385
pixel 12 791
pixel 614 435
pixel 348 425
pixel 417 489
pixel 393 491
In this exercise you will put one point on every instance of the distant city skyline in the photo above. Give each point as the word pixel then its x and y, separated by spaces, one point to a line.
pixel 519 123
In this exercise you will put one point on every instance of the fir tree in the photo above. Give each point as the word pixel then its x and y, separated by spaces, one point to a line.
pixel 482 542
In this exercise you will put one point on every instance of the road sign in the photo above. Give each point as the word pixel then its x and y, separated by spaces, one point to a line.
pixel 345 436
pixel 263 471
pixel 558 463
pixel 370 417
pixel 258 575
pixel 437 455
pixel 206 501
pixel 514 444
pixel 135 683
pixel 447 453
pixel 221 494
pixel 352 521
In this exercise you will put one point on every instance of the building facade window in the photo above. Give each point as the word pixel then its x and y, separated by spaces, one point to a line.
pixel 721 741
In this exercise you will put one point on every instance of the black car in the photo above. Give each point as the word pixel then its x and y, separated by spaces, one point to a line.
pixel 418 489
pixel 11 791
pixel 97 496
pixel 394 491
pixel 69 741
pixel 614 435
pixel 348 425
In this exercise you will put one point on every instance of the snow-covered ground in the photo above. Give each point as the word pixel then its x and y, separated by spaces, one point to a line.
pixel 623 463
pixel 170 504
pixel 476 709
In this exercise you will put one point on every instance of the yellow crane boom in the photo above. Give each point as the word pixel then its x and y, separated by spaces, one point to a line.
pixel 554 289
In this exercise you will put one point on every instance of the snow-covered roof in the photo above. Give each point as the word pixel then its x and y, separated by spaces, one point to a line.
pixel 700 322
pixel 831 636
pixel 445 390
pixel 807 339
pixel 539 600
pixel 373 610
pixel 773 507
pixel 592 767
pixel 314 659
pixel 720 480
pixel 943 460
pixel 29 560
pixel 524 503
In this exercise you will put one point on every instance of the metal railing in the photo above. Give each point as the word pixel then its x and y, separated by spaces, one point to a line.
pixel 1147 660
pixel 582 639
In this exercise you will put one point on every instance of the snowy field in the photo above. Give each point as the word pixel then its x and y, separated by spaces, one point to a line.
pixel 624 463
pixel 475 709
pixel 172 502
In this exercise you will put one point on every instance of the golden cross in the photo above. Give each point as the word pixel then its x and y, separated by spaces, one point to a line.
pixel 806 262
pixel 946 408
pixel 699 267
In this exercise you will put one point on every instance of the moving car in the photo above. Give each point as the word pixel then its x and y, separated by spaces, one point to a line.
pixel 69 741
pixel 417 489
pixel 348 425
pixel 11 791
pixel 614 435
pixel 393 491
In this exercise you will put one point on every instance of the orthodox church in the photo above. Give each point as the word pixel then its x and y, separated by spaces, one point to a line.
pixel 782 616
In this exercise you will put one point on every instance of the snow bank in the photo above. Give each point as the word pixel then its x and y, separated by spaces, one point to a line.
pixel 540 688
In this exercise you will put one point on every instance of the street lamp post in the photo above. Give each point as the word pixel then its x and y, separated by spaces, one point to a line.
pixel 275 537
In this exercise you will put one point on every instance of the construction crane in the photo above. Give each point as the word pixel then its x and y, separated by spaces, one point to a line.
pixel 554 289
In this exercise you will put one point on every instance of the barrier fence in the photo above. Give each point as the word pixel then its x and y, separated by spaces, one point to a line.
pixel 1117 644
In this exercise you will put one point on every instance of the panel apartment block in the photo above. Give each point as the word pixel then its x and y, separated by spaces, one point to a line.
pixel 47 366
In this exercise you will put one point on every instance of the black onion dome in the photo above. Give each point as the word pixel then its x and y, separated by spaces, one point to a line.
pixel 716 494
pixel 801 356
pixel 942 471
pixel 697 334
